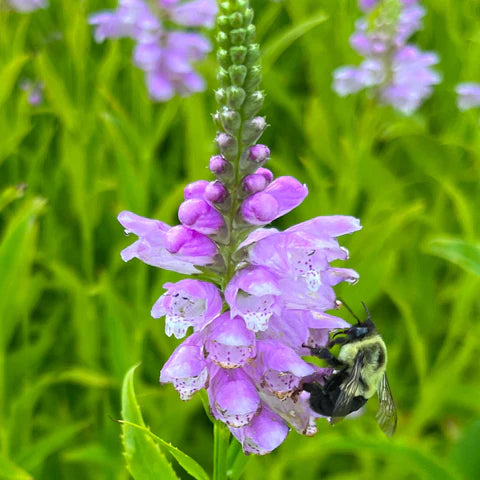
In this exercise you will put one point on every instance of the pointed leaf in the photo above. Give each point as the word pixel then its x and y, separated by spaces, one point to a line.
pixel 145 461
pixel 460 252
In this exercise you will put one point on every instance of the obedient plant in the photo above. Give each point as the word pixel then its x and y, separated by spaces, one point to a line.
pixel 166 48
pixel 468 95
pixel 267 292
pixel 396 72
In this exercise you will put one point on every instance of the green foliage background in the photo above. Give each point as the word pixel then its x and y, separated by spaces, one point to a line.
pixel 74 318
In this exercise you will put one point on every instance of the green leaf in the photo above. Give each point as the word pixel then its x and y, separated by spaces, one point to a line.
pixel 188 463
pixel 9 74
pixel 145 461
pixel 11 471
pixel 462 253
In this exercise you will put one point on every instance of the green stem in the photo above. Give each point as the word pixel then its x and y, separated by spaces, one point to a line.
pixel 221 440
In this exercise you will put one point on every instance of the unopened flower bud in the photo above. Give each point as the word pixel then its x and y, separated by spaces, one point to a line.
pixel 222 39
pixel 198 215
pixel 253 130
pixel 258 153
pixel 237 36
pixel 218 165
pixel 250 33
pixel 215 192
pixel 236 20
pixel 237 74
pixel 267 174
pixel 230 120
pixel 235 97
pixel 253 78
pixel 227 145
pixel 221 96
pixel 254 183
pixel 195 189
pixel 223 77
pixel 248 17
pixel 253 104
pixel 238 55
pixel 253 54
pixel 223 58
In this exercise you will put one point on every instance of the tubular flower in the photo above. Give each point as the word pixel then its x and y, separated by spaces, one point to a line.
pixel 397 73
pixel 268 290
pixel 165 55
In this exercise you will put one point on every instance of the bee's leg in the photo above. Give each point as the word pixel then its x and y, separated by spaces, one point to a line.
pixel 326 355
pixel 337 341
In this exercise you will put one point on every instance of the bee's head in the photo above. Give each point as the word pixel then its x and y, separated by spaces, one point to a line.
pixel 362 329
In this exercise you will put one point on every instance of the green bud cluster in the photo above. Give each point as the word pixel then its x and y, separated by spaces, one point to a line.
pixel 239 73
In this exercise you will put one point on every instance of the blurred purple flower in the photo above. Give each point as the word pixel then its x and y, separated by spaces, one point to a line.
pixel 468 95
pixel 166 56
pixel 398 73
pixel 34 92
pixel 25 6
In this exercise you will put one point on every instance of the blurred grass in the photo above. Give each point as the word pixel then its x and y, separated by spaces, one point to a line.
pixel 74 318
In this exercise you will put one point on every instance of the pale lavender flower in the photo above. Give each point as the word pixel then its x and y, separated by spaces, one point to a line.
pixel 166 56
pixel 172 248
pixel 398 74
pixel 187 303
pixel 468 95
pixel 34 92
pixel 25 6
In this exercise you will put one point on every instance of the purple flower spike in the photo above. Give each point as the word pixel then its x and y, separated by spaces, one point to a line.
pixel 186 368
pixel 281 196
pixel 468 95
pixel 251 294
pixel 398 73
pixel 229 343
pixel 263 434
pixel 198 215
pixel 233 397
pixel 187 303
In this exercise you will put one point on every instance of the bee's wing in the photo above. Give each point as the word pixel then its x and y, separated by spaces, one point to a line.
pixel 387 413
pixel 343 405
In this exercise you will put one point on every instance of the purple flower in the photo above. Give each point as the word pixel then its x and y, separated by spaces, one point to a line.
pixel 229 343
pixel 399 74
pixel 279 198
pixel 172 248
pixel 468 95
pixel 264 433
pixel 186 368
pixel 233 397
pixel 34 92
pixel 187 303
pixel 252 294
pixel 166 56
pixel 25 6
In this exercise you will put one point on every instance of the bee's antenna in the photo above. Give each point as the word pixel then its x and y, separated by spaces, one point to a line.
pixel 351 311
pixel 367 312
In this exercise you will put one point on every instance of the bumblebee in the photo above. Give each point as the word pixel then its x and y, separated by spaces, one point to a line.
pixel 359 374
